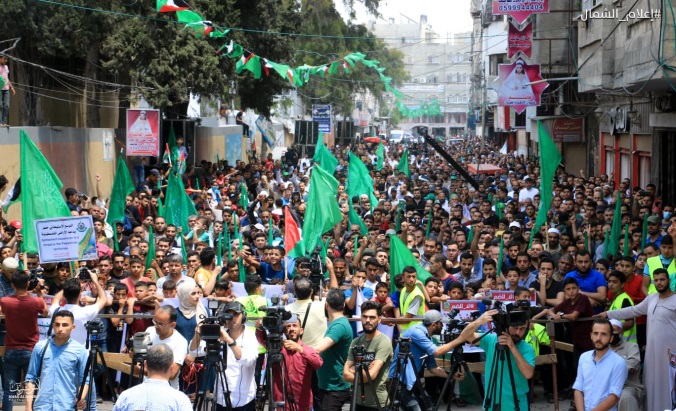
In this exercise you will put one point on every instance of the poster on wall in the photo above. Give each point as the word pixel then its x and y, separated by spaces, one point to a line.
pixel 520 9
pixel 107 140
pixel 519 85
pixel 66 239
pixel 143 132
pixel 321 113
pixel 568 130
pixel 520 41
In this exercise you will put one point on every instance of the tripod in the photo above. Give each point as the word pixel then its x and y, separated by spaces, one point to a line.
pixel 457 363
pixel 360 367
pixel 213 361
pixel 493 399
pixel 276 362
pixel 95 353
pixel 138 359
pixel 404 358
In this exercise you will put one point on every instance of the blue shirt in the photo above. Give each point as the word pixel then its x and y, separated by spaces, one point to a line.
pixel 532 276
pixel 268 273
pixel 152 395
pixel 421 344
pixel 489 344
pixel 598 380
pixel 62 370
pixel 588 283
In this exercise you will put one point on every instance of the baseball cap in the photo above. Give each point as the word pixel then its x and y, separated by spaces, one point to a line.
pixel 259 226
pixel 527 179
pixel 155 172
pixel 653 219
pixel 234 306
pixel 514 224
pixel 16 224
pixel 616 323
pixel 433 316
pixel 292 319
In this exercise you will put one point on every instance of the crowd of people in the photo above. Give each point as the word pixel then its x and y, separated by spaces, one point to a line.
pixel 472 240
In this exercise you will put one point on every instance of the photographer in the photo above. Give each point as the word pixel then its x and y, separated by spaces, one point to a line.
pixel 377 358
pixel 421 345
pixel 164 332
pixel 242 352
pixel 21 311
pixel 301 362
pixel 57 375
pixel 521 355
pixel 155 392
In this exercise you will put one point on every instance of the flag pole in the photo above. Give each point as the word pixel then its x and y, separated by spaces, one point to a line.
pixel 546 234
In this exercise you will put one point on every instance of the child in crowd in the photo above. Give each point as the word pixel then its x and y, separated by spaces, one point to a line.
pixel 457 292
pixel 512 278
pixel 433 293
pixel 116 327
pixel 223 292
pixel 398 284
pixel 169 289
pixel 383 298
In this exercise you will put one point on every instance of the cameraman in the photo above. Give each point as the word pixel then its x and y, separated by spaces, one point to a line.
pixel 21 311
pixel 422 345
pixel 242 352
pixel 301 362
pixel 521 355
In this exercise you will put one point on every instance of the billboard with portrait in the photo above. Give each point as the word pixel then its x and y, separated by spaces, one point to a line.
pixel 143 132
pixel 519 85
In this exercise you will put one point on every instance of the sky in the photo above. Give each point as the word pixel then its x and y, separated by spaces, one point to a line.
pixel 445 16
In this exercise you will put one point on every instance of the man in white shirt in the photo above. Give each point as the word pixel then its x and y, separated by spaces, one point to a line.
pixel 155 393
pixel 242 353
pixel 163 332
pixel 71 292
pixel 175 272
pixel 527 192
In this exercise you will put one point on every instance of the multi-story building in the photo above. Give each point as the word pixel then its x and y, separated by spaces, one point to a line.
pixel 439 69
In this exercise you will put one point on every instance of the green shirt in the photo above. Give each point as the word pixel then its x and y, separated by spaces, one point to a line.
pixel 489 344
pixel 330 375
pixel 380 348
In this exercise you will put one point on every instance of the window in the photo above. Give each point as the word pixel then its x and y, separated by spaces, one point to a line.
pixel 625 165
pixel 457 57
pixel 451 99
pixel 610 161
pixel 433 79
pixel 520 120
pixel 433 59
pixel 409 60
pixel 467 56
pixel 494 60
pixel 643 170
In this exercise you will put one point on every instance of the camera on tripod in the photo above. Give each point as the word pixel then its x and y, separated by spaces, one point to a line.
pixel 211 327
pixel 455 326
pixel 515 314
pixel 317 271
pixel 273 322
pixel 94 329
pixel 34 276
pixel 359 352
pixel 141 341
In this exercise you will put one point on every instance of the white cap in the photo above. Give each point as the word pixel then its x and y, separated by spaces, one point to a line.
pixel 515 224
pixel 10 265
pixel 259 226
pixel 554 231
pixel 616 322
pixel 264 193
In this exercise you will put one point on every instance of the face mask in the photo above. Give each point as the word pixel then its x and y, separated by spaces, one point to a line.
pixel 616 339
pixel 666 215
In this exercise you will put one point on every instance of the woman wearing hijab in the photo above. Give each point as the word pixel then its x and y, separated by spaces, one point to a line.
pixel 517 84
pixel 191 311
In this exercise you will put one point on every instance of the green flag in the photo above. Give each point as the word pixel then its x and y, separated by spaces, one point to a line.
pixel 586 241
pixel 644 231
pixel 380 153
pixel 151 248
pixel 401 257
pixel 40 191
pixel 626 251
pixel 178 206
pixel 403 167
pixel 322 212
pixel 354 218
pixel 244 196
pixel 324 158
pixel 605 242
pixel 615 229
pixel 171 153
pixel 270 233
pixel 550 158
pixel 429 224
pixel 122 187
pixel 470 236
pixel 359 180
pixel 226 234
pixel 219 251
pixel 184 253
pixel 501 256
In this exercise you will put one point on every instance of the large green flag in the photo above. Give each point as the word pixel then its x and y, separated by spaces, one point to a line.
pixel 122 187
pixel 40 192
pixel 178 206
pixel 403 167
pixel 501 256
pixel 401 257
pixel 151 248
pixel 550 158
pixel 354 218
pixel 322 212
pixel 324 158
pixel 244 196
pixel 359 180
pixel 380 153
pixel 615 229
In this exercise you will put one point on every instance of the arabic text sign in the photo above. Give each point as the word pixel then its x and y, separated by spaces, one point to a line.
pixel 568 130
pixel 321 113
pixel 520 40
pixel 614 14
pixel 143 132
pixel 66 239
pixel 520 9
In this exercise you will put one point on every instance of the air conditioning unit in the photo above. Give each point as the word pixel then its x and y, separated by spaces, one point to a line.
pixel 415 80
pixel 666 103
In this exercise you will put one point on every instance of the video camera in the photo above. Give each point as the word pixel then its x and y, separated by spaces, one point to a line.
pixel 94 329
pixel 141 341
pixel 359 352
pixel 211 326
pixel 515 314
pixel 455 326
pixel 276 314
pixel 317 271
pixel 34 276
pixel 83 274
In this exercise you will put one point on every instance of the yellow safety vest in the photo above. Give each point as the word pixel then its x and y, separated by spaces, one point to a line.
pixel 618 302
pixel 251 303
pixel 656 262
pixel 404 303
pixel 536 336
